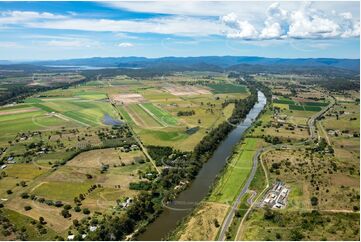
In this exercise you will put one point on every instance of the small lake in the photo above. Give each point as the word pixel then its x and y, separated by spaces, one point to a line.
pixel 107 120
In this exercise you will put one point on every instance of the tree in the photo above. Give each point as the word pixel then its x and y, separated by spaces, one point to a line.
pixel 216 223
pixel 42 220
pixel 58 204
pixel 86 211
pixel 75 222
pixel 27 208
pixel 67 207
pixel 314 201
pixel 24 195
pixel 296 235
pixel 268 214
pixel 65 213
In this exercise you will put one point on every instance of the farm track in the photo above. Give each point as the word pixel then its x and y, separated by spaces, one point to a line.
pixel 145 152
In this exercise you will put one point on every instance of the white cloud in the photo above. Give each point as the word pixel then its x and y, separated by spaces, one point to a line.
pixel 190 8
pixel 21 17
pixel 239 29
pixel 69 42
pixel 305 22
pixel 271 31
pixel 237 20
pixel 183 26
pixel 125 44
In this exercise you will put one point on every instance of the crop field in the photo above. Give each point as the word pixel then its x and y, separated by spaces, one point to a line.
pixel 141 117
pixel 155 117
pixel 161 115
pixel 284 101
pixel 30 121
pixel 227 88
pixel 47 143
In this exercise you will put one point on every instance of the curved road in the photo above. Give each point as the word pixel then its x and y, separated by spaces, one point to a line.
pixel 230 215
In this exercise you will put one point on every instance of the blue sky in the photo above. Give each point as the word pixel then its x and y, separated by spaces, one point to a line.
pixel 63 30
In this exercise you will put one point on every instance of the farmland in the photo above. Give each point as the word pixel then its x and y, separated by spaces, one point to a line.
pixel 322 174
pixel 75 148
pixel 83 153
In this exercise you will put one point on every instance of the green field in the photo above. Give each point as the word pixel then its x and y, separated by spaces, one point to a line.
pixel 296 107
pixel 63 191
pixel 284 101
pixel 312 108
pixel 315 104
pixel 141 117
pixel 305 108
pixel 161 115
pixel 236 173
pixel 227 88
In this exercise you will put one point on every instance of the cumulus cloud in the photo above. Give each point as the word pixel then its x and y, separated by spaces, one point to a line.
pixel 125 44
pixel 239 29
pixel 305 22
pixel 272 21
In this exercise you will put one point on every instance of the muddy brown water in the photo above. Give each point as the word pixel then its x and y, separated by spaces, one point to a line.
pixel 186 200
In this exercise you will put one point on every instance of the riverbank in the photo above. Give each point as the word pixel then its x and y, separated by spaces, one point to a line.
pixel 199 188
pixel 205 222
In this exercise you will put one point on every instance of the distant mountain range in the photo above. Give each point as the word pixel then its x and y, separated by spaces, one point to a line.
pixel 349 68
pixel 223 62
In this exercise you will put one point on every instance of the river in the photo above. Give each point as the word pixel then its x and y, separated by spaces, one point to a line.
pixel 200 186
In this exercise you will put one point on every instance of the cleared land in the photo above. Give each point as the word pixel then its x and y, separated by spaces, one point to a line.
pixel 186 90
pixel 127 98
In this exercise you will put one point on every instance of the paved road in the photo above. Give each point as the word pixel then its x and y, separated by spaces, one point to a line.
pixel 312 120
pixel 230 215
pixel 250 199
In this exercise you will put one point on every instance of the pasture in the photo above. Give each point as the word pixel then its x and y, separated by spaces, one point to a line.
pixel 75 178
pixel 236 173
